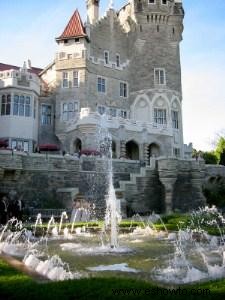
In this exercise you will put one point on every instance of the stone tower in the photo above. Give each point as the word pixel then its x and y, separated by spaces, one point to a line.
pixel 92 10
pixel 154 29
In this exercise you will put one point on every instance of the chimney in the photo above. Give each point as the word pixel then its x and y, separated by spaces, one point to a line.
pixel 92 10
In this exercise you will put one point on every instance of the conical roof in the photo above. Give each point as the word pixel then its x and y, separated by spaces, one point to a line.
pixel 74 28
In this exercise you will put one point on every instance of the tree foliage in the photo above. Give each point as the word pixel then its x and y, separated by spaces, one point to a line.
pixel 210 158
pixel 220 151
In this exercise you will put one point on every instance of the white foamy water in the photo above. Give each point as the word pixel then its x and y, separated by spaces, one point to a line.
pixel 84 249
pixel 117 267
pixel 52 268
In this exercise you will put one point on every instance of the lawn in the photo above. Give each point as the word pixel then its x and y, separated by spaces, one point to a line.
pixel 16 285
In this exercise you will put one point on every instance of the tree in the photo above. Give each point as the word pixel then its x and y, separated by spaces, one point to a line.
pixel 210 158
pixel 220 151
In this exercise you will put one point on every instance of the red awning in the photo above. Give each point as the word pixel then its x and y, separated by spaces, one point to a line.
pixel 48 147
pixel 4 143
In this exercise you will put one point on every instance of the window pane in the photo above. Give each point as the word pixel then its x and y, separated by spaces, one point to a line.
pixel 21 106
pixel 14 144
pixel 103 85
pixel 46 114
pixel 160 116
pixel 26 146
pixel 75 78
pixel 75 106
pixel 27 110
pixel 19 145
pixel 16 105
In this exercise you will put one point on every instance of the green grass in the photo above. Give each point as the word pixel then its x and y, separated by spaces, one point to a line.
pixel 172 222
pixel 15 286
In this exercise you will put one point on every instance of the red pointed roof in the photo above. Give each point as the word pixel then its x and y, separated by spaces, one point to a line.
pixel 74 28
pixel 5 67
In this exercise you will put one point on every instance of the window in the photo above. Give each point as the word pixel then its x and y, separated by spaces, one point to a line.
pixel 159 76
pixel 13 144
pixel 16 105
pixel 69 110
pixel 175 122
pixel 20 145
pixel 6 105
pixel 101 110
pixel 117 60
pixel 21 105
pixel 112 112
pixel 123 114
pixel 106 57
pixel 151 1
pixel 65 80
pixel 77 40
pixel 160 116
pixel 26 146
pixel 62 55
pixel 75 78
pixel 69 56
pixel 101 85
pixel 164 2
pixel 123 89
pixel 27 106
pixel 46 114
pixel 35 104
pixel 176 152
pixel 76 107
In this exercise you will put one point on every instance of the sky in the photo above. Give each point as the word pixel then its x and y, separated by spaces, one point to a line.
pixel 29 28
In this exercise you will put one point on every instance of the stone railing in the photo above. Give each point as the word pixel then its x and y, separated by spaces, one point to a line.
pixel 93 118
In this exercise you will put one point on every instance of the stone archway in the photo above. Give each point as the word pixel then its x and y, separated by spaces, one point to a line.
pixel 132 150
pixel 153 150
pixel 77 145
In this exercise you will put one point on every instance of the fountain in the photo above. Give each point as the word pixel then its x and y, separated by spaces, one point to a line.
pixel 188 255
pixel 191 255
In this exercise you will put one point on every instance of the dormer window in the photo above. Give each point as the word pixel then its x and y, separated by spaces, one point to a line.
pixel 106 57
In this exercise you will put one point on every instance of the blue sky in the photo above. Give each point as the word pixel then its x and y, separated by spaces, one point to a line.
pixel 30 26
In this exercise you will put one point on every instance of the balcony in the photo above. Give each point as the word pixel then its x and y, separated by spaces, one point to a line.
pixel 94 119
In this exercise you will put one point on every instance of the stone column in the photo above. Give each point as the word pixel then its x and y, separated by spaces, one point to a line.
pixel 145 156
pixel 169 186
pixel 168 170
pixel 122 148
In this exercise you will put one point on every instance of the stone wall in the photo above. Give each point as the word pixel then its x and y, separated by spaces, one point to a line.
pixel 52 181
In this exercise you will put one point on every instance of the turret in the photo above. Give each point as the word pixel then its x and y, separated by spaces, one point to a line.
pixel 92 10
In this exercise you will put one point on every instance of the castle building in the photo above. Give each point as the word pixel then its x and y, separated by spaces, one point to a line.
pixel 125 65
